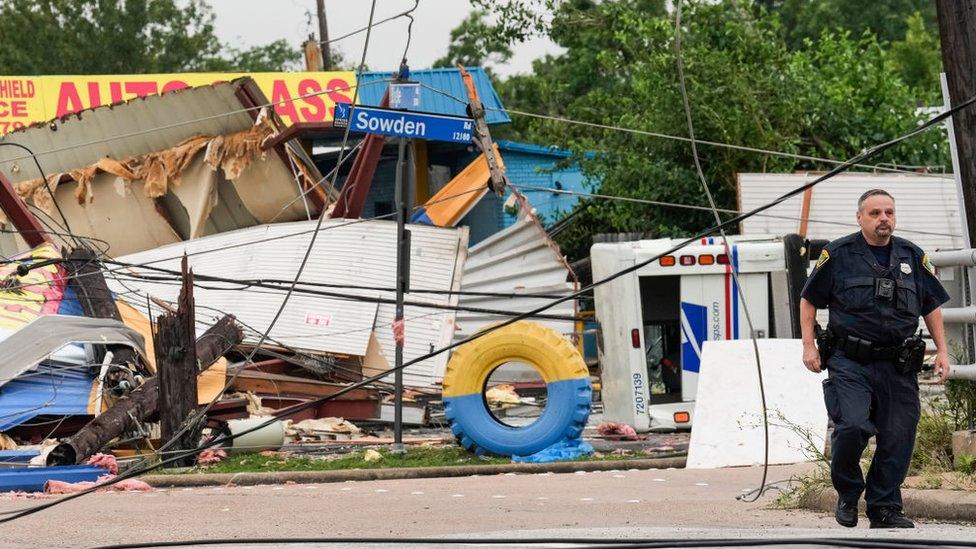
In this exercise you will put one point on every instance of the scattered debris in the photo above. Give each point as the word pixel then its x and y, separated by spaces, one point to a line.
pixel 127 485
pixel 104 461
pixel 211 455
pixel 617 431
pixel 372 455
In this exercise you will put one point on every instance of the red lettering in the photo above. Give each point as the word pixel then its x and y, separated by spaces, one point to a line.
pixel 337 87
pixel 68 100
pixel 115 90
pixel 281 98
pixel 94 95
pixel 174 85
pixel 30 88
pixel 141 89
pixel 18 108
pixel 317 113
pixel 4 111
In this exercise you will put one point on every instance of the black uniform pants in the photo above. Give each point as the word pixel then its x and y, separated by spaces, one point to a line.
pixel 866 400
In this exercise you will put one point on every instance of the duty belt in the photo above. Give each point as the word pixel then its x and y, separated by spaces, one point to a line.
pixel 864 350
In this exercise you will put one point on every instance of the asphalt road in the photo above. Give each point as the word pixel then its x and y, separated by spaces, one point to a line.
pixel 672 503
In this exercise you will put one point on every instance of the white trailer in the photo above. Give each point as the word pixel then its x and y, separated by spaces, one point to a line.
pixel 654 321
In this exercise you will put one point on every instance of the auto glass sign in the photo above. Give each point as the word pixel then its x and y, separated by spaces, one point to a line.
pixel 297 96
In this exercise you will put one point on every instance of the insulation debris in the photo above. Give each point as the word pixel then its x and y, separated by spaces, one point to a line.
pixel 233 153
pixel 314 427
pixel 127 485
pixel 618 431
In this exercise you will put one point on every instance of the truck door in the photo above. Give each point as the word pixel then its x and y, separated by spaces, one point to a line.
pixel 711 309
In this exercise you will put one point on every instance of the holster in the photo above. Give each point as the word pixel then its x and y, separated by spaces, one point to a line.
pixel 826 344
pixel 911 356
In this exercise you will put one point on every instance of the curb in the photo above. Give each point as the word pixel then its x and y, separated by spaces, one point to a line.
pixel 948 505
pixel 316 477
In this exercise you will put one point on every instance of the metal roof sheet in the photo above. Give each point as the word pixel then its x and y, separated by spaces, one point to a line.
pixel 138 126
pixel 447 81
pixel 53 389
pixel 927 206
pixel 519 259
pixel 345 253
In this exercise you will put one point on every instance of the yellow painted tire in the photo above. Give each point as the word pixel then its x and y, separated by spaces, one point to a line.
pixel 557 361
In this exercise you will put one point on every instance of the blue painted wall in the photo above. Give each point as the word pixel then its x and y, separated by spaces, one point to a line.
pixel 528 165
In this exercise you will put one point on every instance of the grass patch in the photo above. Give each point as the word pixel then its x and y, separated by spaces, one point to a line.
pixel 933 445
pixel 415 457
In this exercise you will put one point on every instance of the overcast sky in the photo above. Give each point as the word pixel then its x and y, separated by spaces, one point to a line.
pixel 245 23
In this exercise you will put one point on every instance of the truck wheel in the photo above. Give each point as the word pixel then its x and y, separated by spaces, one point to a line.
pixel 557 361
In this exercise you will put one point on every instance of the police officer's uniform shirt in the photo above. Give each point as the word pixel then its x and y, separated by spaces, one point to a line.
pixel 845 281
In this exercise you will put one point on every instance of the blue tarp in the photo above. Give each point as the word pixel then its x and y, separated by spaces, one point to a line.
pixel 563 450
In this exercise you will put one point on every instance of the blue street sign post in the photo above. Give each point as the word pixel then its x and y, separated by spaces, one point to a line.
pixel 409 125
pixel 403 125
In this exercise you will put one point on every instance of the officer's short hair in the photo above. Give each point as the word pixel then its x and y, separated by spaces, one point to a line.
pixel 873 192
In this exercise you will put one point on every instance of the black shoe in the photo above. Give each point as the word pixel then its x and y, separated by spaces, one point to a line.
pixel 890 518
pixel 846 514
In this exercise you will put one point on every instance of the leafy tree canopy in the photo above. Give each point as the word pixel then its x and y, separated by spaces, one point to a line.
pixel 827 96
pixel 123 37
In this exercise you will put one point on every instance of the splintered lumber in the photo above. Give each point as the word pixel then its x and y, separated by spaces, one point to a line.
pixel 176 367
pixel 259 382
pixel 142 403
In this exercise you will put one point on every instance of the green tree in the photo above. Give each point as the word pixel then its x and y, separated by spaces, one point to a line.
pixel 918 57
pixel 831 98
pixel 474 43
pixel 122 37
pixel 886 19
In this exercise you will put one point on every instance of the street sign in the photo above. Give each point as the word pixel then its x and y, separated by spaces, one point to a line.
pixel 405 95
pixel 341 117
pixel 409 125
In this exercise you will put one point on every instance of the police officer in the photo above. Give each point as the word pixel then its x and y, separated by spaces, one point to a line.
pixel 875 287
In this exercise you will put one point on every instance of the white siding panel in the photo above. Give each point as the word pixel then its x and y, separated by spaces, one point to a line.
pixel 345 253
pixel 927 206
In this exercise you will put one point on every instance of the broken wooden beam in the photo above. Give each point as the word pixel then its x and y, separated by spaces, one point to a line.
pixel 142 403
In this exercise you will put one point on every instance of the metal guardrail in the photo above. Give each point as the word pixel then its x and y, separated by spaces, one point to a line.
pixel 963 371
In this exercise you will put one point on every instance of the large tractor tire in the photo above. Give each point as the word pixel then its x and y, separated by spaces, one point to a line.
pixel 557 361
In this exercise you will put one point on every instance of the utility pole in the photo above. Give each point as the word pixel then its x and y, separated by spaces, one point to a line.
pixel 957 32
pixel 324 35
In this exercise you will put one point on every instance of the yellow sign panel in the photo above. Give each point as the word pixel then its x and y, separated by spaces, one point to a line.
pixel 298 96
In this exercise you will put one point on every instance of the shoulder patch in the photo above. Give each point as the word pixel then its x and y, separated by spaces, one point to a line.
pixel 928 264
pixel 824 257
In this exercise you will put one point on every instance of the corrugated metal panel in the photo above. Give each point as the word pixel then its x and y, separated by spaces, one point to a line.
pixel 138 126
pixel 446 80
pixel 358 253
pixel 927 206
pixel 53 389
pixel 519 259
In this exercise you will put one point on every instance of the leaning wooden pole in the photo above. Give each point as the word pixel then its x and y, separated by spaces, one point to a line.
pixel 86 279
pixel 142 403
